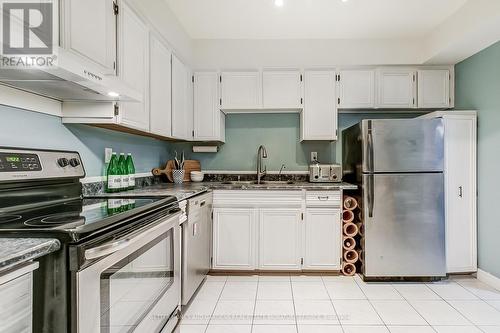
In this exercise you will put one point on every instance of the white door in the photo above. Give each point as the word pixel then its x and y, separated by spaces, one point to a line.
pixel 134 67
pixel 160 88
pixel 356 89
pixel 240 90
pixel 323 239
pixel 319 117
pixel 396 88
pixel 460 194
pixel 434 88
pixel 207 124
pixel 234 238
pixel 279 241
pixel 282 89
pixel 90 31
pixel 181 112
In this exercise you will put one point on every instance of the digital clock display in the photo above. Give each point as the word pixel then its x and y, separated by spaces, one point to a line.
pixel 13 159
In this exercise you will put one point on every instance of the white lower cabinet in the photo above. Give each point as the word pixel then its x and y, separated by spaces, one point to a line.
pixel 266 230
pixel 234 238
pixel 322 239
pixel 279 239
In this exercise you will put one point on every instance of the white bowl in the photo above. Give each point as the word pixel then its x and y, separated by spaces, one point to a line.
pixel 197 176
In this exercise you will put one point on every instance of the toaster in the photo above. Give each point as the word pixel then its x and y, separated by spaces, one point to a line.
pixel 325 173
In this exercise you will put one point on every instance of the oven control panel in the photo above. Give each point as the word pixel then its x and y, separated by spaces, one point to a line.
pixel 18 164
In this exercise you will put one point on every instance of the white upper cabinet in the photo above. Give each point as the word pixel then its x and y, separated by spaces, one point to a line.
pixel 396 88
pixel 89 30
pixel 209 121
pixel 240 90
pixel 319 117
pixel 182 111
pixel 434 88
pixel 279 239
pixel 282 89
pixel 356 89
pixel 160 92
pixel 134 66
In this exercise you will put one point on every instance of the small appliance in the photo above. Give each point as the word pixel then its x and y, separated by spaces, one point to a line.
pixel 325 173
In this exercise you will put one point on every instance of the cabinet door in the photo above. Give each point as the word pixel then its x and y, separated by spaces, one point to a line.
pixel 240 90
pixel 182 113
pixel 207 116
pixel 234 238
pixel 396 88
pixel 356 89
pixel 282 90
pixel 90 31
pixel 323 243
pixel 434 88
pixel 319 117
pixel 460 194
pixel 134 67
pixel 160 88
pixel 279 241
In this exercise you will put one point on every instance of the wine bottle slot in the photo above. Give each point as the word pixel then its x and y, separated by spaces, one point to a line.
pixel 349 243
pixel 351 256
pixel 350 203
pixel 348 269
pixel 347 216
pixel 350 230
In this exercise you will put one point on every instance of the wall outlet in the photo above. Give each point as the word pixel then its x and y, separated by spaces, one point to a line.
pixel 107 154
pixel 314 156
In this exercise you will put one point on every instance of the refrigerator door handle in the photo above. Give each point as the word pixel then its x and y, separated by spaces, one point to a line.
pixel 370 146
pixel 371 195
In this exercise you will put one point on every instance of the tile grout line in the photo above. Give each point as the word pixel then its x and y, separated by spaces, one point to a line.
pixel 333 305
pixel 216 303
pixel 373 307
pixel 255 303
pixel 293 302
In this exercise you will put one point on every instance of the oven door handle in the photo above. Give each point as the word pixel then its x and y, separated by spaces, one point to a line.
pixel 121 243
pixel 106 249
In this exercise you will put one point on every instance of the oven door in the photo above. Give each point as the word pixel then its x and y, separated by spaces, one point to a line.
pixel 135 286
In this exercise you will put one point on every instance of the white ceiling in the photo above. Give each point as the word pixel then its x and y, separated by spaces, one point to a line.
pixel 313 19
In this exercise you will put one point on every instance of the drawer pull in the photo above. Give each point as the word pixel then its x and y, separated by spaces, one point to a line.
pixel 323 198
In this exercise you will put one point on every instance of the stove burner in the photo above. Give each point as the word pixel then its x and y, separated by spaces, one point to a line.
pixel 9 218
pixel 55 219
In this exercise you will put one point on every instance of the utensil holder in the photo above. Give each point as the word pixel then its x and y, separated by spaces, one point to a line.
pixel 178 176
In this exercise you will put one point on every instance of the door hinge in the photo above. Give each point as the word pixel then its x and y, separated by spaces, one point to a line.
pixel 220 78
pixel 116 9
pixel 114 65
pixel 301 101
pixel 192 133
pixel 339 77
pixel 300 77
pixel 220 101
pixel 413 100
pixel 212 215
pixel 302 216
pixel 192 78
pixel 117 110
pixel 414 77
pixel 302 261
pixel 336 132
pixel 211 261
pixel 338 101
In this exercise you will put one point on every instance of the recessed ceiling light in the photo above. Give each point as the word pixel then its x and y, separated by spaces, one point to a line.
pixel 278 3
pixel 113 94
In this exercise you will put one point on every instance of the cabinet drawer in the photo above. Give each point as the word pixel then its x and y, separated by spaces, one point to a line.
pixel 323 198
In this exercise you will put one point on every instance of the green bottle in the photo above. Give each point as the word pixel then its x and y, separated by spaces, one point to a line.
pixel 113 174
pixel 123 172
pixel 130 171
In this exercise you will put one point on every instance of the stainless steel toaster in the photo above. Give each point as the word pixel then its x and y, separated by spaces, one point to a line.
pixel 325 173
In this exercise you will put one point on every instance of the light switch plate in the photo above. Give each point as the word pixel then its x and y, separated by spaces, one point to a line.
pixel 107 154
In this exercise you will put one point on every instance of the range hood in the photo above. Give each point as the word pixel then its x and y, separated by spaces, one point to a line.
pixel 69 80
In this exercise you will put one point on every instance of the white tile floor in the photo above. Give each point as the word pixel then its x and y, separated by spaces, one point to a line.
pixel 331 304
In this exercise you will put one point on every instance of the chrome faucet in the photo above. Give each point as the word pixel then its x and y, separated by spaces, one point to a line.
pixel 261 153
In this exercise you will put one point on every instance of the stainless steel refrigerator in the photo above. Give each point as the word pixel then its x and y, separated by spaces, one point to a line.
pixel 398 164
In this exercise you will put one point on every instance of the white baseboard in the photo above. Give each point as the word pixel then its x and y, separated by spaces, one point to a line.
pixel 488 278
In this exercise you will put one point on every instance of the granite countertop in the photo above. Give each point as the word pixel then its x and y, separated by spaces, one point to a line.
pixel 188 190
pixel 15 251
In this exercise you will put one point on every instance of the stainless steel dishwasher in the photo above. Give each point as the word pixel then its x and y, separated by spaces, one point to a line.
pixel 196 236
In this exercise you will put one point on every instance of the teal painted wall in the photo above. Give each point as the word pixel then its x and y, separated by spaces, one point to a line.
pixel 22 128
pixel 478 88
pixel 280 134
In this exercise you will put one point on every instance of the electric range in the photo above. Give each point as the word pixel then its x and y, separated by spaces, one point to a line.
pixel 106 244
